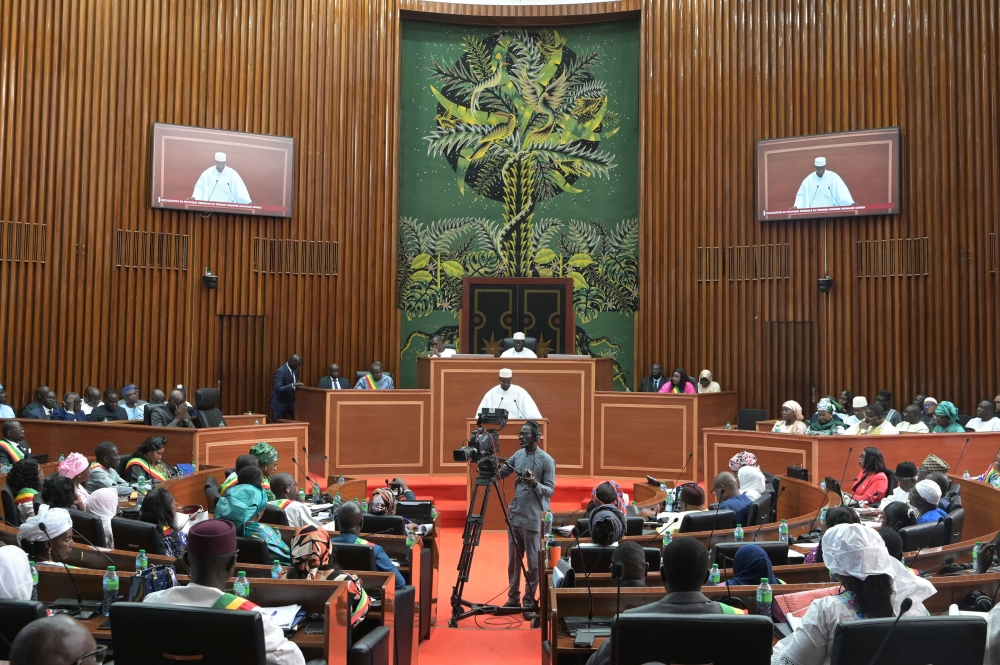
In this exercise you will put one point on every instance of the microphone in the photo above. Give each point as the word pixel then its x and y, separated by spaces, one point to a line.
pixel 818 510
pixel 306 458
pixel 780 492
pixel 904 607
pixel 586 575
pixel 329 471
pixel 716 520
pixel 946 562
pixel 54 550
pixel 729 591
pixel 95 548
pixel 302 471
pixel 846 462
pixel 564 519
pixel 959 462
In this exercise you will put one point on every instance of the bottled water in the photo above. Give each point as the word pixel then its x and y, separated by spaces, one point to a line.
pixel 714 577
pixel 340 480
pixel 276 570
pixel 364 505
pixel 434 512
pixel 337 500
pixel 242 585
pixel 822 518
pixel 547 524
pixel 663 487
pixel 302 495
pixel 822 485
pixel 667 539
pixel 256 421
pixel 783 532
pixel 62 458
pixel 965 475
pixel 975 556
pixel 110 590
pixel 738 534
pixel 194 463
pixel 34 581
pixel 141 561
pixel 140 490
pixel 317 495
pixel 411 538
pixel 729 425
pixel 764 597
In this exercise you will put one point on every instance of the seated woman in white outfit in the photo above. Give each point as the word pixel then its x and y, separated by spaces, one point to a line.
pixel 875 585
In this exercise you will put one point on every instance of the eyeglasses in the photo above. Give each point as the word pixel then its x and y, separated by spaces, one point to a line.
pixel 98 656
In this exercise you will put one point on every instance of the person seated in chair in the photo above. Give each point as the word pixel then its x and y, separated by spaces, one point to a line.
pixel 108 411
pixel 375 379
pixel 211 558
pixel 518 350
pixel 313 558
pixel 70 410
pixel 147 461
pixel 5 409
pixel 679 383
pixel 898 515
pixel 607 525
pixel 47 538
pixel 633 558
pixel 267 460
pixel 727 493
pixel 243 505
pixel 250 475
pixel 752 482
pixel 333 380
pixel 175 413
pixel 242 462
pixel 750 565
pixel 607 493
pixel 986 418
pixel 924 497
pixel 875 585
pixel 58 492
pixel 45 410
pixel 57 640
pixel 160 509
pixel 683 571
pixel 286 497
pixel 41 392
pixel 906 478
pixel 134 407
pixel 946 417
pixel 653 382
pixel 13 447
pixel 944 482
pixel 349 520
pixel 77 468
pixel 104 472
pixel 25 480
pixel 692 497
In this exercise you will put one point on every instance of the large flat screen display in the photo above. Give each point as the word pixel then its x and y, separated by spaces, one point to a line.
pixel 211 170
pixel 849 174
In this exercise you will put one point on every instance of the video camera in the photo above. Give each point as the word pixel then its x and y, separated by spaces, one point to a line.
pixel 483 444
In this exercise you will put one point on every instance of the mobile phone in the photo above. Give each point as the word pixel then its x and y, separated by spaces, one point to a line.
pixel 315 628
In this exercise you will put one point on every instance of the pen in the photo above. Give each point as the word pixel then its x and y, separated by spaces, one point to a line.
pixel 274 613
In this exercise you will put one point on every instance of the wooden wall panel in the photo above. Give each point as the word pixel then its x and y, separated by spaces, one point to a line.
pixel 721 75
pixel 81 84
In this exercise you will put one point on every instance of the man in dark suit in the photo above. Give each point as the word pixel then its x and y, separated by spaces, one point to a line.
pixel 286 380
pixel 13 447
pixel 683 571
pixel 70 409
pixel 174 413
pixel 109 410
pixel 44 410
pixel 655 380
pixel 40 394
pixel 333 381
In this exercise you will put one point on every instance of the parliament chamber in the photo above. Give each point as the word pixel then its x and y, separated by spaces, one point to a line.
pixel 326 323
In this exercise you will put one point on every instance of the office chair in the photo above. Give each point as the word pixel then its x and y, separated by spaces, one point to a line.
pixel 596 559
pixel 776 551
pixel 692 638
pixel 706 521
pixel 354 557
pixel 9 507
pixel 914 640
pixel 390 524
pixel 633 526
pixel 372 649
pixel 764 503
pixel 957 519
pixel 920 536
pixel 206 403
pixel 15 615
pixel 185 634
pixel 254 551
pixel 415 511
pixel 134 535
pixel 212 494
pixel 274 515
pixel 747 419
pixel 89 526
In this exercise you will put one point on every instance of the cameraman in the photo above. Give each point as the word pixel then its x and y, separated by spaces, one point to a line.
pixel 535 484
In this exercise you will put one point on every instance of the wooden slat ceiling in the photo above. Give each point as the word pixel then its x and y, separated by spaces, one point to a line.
pixel 82 82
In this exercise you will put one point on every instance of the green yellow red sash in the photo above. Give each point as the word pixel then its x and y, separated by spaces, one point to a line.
pixel 26 495
pixel 370 382
pixel 281 503
pixel 230 602
pixel 13 452
pixel 148 470
pixel 227 483
pixel 726 609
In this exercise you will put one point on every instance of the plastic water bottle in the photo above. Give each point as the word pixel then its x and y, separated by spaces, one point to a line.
pixel 764 597
pixel 995 482
pixel 34 580
pixel 783 532
pixel 635 509
pixel 714 577
pixel 822 485
pixel 140 490
pixel 317 495
pixel 256 421
pixel 822 518
pixel 110 591
pixel 141 561
pixel 663 487
pixel 729 425
pixel 738 534
pixel 434 512
pixel 965 475
pixel 276 570
pixel 194 463
pixel 547 524
pixel 302 495
pixel 667 539
pixel 364 505
pixel 411 538
pixel 241 587
pixel 975 556
pixel 337 500
pixel 340 480
pixel 62 458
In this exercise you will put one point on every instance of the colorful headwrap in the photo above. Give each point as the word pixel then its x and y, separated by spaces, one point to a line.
pixel 620 497
pixel 948 410
pixel 265 453
pixel 382 502
pixel 241 504
pixel 933 463
pixel 73 465
pixel 826 404
pixel 311 557
pixel 608 513
pixel 740 460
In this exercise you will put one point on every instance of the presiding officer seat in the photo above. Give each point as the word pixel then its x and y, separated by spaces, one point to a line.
pixel 693 638
pixel 206 403
pixel 15 615
pixel 134 535
pixel 529 343
pixel 937 639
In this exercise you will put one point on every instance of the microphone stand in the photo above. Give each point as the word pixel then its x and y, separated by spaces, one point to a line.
pixel 904 607
pixel 80 602
pixel 673 489
pixel 94 547
pixel 329 471
pixel 311 481
pixel 780 492
pixel 586 576
pixel 959 462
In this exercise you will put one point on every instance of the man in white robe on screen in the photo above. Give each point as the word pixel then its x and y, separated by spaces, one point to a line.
pixel 514 399
pixel 221 183
pixel 823 189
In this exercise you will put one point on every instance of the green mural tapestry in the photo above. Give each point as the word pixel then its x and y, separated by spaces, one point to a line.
pixel 519 153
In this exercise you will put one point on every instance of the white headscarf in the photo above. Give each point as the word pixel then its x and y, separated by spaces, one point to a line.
pixel 104 504
pixel 752 481
pixel 712 387
pixel 56 520
pixel 858 551
pixel 15 574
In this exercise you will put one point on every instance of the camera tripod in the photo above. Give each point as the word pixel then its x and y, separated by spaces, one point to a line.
pixel 470 539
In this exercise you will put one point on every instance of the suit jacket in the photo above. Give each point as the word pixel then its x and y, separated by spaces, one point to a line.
pixel 33 406
pixel 102 412
pixel 63 414
pixel 37 413
pixel 162 416
pixel 647 384
pixel 283 395
pixel 326 383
